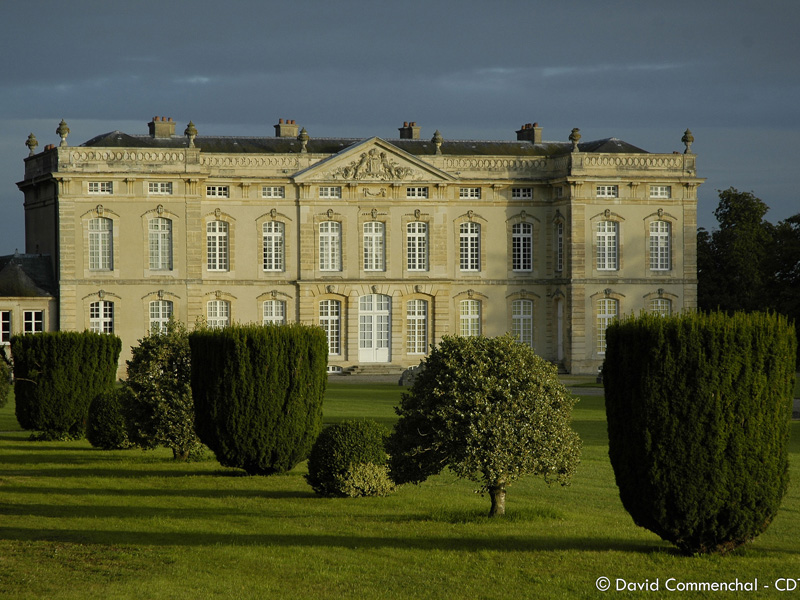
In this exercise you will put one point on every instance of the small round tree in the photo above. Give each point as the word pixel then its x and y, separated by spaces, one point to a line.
pixel 698 410
pixel 258 393
pixel 161 409
pixel 105 426
pixel 492 411
pixel 349 459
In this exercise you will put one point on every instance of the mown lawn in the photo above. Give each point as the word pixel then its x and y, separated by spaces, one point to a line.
pixel 81 523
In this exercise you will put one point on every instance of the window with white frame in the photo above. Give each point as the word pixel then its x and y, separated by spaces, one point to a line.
pixel 159 188
pixel 417 246
pixel 5 326
pixel 661 191
pixel 272 246
pixel 661 307
pixel 374 246
pixel 160 313
pixel 329 311
pixel 33 321
pixel 101 187
pixel 473 193
pixel 607 246
pixel 218 191
pixel 469 323
pixel 217 246
pixel 521 193
pixel 273 191
pixel 470 246
pixel 522 321
pixel 160 243
pixel 607 310
pixel 218 313
pixel 274 312
pixel 417 327
pixel 522 247
pixel 101 316
pixel 101 256
pixel 330 246
pixel 416 192
pixel 660 257
pixel 330 191
pixel 608 191
pixel 559 250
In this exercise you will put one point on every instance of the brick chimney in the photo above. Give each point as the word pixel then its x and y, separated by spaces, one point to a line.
pixel 530 132
pixel 409 131
pixel 162 127
pixel 286 128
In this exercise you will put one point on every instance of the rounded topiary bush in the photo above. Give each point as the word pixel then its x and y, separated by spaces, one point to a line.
pixel 349 459
pixel 106 427
pixel 698 410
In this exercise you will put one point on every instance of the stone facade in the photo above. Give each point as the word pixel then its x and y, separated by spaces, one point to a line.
pixel 389 244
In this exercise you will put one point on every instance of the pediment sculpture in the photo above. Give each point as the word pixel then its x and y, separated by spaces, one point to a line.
pixel 375 165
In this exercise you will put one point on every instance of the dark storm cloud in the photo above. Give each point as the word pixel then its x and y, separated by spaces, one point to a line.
pixel 638 70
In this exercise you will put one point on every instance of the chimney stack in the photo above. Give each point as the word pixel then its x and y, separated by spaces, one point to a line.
pixel 530 132
pixel 286 128
pixel 162 127
pixel 409 131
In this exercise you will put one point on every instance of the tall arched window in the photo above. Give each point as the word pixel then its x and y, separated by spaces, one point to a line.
pixel 660 258
pixel 329 315
pixel 160 244
pixel 470 246
pixel 160 312
pixel 273 245
pixel 522 247
pixel 470 318
pixel 522 321
pixel 217 245
pixel 101 254
pixel 101 316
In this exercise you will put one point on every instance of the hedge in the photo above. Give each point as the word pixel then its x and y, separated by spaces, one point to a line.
pixel 698 411
pixel 258 393
pixel 58 374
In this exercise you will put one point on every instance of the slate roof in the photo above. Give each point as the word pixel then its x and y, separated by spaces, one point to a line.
pixel 26 276
pixel 418 147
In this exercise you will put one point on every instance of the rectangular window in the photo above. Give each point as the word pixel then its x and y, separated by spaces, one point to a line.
pixel 608 191
pixel 469 318
pixel 330 191
pixel 217 246
pixel 101 257
pixel 274 312
pixel 272 245
pixel 33 321
pixel 661 307
pixel 101 187
pixel 417 246
pixel 273 191
pixel 606 313
pixel 470 247
pixel 469 192
pixel 522 247
pixel 661 191
pixel 330 238
pixel 559 247
pixel 522 321
pixel 160 243
pixel 218 191
pixel 160 313
pixel 218 313
pixel 607 259
pixel 101 317
pixel 329 321
pixel 558 191
pixel 374 246
pixel 416 192
pixel 5 326
pixel 417 327
pixel 521 193
pixel 159 188
pixel 660 246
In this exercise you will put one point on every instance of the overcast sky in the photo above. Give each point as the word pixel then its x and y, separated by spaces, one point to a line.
pixel 637 70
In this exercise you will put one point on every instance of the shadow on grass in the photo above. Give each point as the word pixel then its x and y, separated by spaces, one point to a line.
pixel 503 543
pixel 153 493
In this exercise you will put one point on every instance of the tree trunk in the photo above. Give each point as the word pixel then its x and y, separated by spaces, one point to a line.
pixel 180 454
pixel 497 493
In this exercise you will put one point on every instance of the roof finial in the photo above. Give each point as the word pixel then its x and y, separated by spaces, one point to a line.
pixel 687 140
pixel 191 133
pixel 575 137
pixel 63 132
pixel 31 143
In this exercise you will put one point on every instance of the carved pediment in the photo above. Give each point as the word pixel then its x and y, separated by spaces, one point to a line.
pixel 372 160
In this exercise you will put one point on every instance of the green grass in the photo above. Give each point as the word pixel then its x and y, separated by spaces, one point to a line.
pixel 80 523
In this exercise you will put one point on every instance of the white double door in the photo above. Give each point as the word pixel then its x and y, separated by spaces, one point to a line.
pixel 374 328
